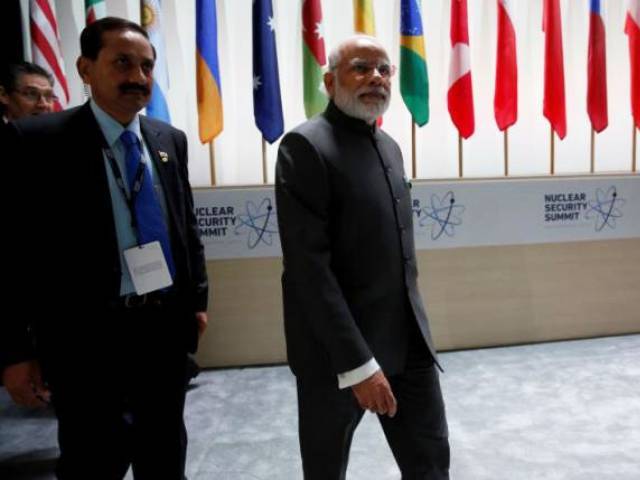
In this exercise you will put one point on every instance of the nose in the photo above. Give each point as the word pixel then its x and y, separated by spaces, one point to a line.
pixel 376 78
pixel 138 75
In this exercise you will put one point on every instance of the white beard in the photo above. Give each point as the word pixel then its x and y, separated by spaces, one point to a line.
pixel 352 106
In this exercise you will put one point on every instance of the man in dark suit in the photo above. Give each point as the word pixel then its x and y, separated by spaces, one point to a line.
pixel 356 329
pixel 25 89
pixel 111 285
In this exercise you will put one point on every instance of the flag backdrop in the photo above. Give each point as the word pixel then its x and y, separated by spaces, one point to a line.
pixel 632 29
pixel 95 10
pixel 45 47
pixel 414 80
pixel 313 57
pixel 597 70
pixel 151 19
pixel 554 108
pixel 505 101
pixel 460 94
pixel 210 120
pixel 267 107
pixel 363 19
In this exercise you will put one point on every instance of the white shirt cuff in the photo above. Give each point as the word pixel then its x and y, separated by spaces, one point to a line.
pixel 357 375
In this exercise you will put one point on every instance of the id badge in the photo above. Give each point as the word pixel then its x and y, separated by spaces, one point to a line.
pixel 148 268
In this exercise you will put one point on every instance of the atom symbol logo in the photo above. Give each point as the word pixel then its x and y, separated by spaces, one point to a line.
pixel 443 215
pixel 258 222
pixel 605 208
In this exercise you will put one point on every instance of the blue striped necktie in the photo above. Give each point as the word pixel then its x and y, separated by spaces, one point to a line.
pixel 149 217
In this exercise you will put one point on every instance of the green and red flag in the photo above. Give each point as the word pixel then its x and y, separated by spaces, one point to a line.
pixel 313 58
pixel 95 10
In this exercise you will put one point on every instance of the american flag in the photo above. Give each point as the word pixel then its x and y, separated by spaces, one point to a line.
pixel 45 47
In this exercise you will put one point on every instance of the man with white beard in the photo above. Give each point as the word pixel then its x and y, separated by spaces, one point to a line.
pixel 357 333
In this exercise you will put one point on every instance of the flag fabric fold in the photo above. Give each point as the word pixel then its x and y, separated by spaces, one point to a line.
pixel 209 91
pixel 94 10
pixel 363 17
pixel 313 58
pixel 267 105
pixel 554 107
pixel 460 93
pixel 505 102
pixel 45 47
pixel 152 22
pixel 632 29
pixel 414 79
pixel 597 70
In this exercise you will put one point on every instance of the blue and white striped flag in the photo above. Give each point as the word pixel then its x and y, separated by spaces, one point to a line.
pixel 151 20
pixel 267 106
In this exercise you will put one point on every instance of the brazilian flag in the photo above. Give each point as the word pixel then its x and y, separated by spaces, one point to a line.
pixel 414 81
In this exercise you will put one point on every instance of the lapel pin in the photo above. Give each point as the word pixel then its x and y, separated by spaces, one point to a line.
pixel 164 156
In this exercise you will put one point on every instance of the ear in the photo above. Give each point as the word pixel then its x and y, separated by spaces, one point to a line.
pixel 329 83
pixel 83 65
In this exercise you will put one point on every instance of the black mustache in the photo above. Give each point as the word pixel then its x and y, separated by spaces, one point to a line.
pixel 133 87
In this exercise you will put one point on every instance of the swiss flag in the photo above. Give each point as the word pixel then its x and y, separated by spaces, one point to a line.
pixel 505 102
pixel 632 29
pixel 554 107
pixel 460 94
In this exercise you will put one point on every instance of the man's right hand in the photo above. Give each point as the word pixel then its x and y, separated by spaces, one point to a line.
pixel 24 383
pixel 374 394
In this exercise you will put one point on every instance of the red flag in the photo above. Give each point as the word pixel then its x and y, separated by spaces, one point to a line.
pixel 632 29
pixel 505 102
pixel 45 46
pixel 460 94
pixel 597 70
pixel 554 108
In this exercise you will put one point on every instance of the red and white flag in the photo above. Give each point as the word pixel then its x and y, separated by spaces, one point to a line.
pixel 460 94
pixel 45 47
pixel 632 29
pixel 505 101
pixel 554 108
pixel 597 70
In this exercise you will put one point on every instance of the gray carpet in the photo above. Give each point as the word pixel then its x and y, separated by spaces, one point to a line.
pixel 557 411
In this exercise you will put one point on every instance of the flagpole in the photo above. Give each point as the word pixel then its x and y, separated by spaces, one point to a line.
pixel 413 149
pixel 212 163
pixel 593 145
pixel 506 152
pixel 264 161
pixel 553 153
pixel 634 141
pixel 459 155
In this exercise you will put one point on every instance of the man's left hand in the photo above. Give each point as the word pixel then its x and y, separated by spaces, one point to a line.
pixel 202 320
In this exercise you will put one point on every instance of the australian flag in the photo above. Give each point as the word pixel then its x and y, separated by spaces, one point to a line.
pixel 267 106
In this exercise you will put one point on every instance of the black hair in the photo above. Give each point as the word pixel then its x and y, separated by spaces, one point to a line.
pixel 10 74
pixel 91 36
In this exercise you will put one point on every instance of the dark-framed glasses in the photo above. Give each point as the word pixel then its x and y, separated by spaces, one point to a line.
pixel 34 95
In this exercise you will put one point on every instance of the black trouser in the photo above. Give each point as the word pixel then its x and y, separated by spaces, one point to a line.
pixel 120 402
pixel 417 435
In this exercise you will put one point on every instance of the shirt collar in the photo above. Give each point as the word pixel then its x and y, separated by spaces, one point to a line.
pixel 111 128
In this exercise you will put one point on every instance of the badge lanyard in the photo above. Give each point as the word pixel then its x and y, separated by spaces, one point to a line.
pixel 137 186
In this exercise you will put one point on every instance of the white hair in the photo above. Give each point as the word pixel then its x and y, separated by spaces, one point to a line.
pixel 335 55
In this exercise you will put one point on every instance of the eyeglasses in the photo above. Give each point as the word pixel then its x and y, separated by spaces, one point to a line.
pixel 385 70
pixel 34 95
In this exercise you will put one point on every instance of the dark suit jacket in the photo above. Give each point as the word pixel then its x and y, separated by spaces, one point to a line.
pixel 69 270
pixel 350 277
